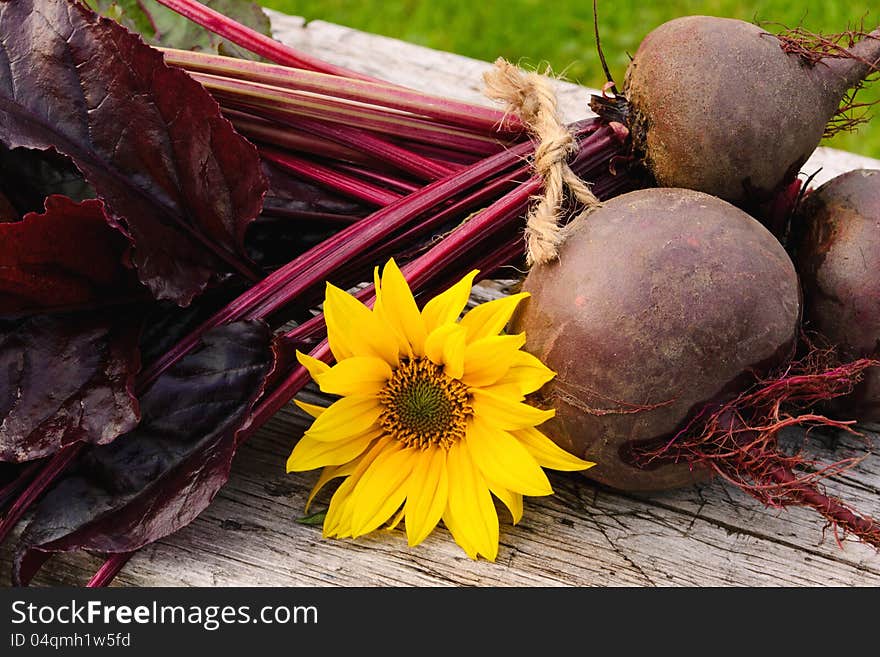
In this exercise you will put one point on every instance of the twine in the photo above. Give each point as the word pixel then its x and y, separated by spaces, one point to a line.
pixel 532 99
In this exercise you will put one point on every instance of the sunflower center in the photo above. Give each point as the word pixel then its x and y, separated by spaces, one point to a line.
pixel 422 406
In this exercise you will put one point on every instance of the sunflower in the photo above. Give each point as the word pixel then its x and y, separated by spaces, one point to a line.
pixel 431 420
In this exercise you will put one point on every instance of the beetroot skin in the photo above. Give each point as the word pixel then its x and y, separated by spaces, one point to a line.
pixel 718 105
pixel 838 258
pixel 663 301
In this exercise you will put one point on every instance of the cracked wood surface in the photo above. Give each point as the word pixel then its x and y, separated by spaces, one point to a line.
pixel 707 535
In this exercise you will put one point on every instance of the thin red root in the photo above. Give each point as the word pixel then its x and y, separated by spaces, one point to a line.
pixel 838 514
pixel 739 441
pixel 813 47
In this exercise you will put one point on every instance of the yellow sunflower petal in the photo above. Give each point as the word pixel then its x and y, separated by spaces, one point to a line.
pixel 395 520
pixel 338 519
pixel 512 391
pixel 328 474
pixel 547 453
pixel 312 409
pixel 403 346
pixel 377 285
pixel 447 306
pixel 337 522
pixel 314 366
pixel 445 346
pixel 353 329
pixel 474 521
pixel 400 310
pixel 505 413
pixel 458 534
pixel 504 460
pixel 345 418
pixel 527 372
pixel 488 359
pixel 513 501
pixel 309 453
pixel 381 490
pixel 426 495
pixel 491 317
pixel 358 375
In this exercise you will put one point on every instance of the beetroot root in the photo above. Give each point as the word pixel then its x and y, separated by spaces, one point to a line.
pixel 719 105
pixel 838 257
pixel 663 301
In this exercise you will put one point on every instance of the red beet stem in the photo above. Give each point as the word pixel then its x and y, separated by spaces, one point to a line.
pixel 333 110
pixel 109 570
pixel 400 128
pixel 383 179
pixel 378 148
pixel 21 481
pixel 255 42
pixel 445 110
pixel 331 179
pixel 305 215
pixel 48 471
pixel 281 136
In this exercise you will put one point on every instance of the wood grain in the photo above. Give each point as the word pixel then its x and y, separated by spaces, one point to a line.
pixel 707 535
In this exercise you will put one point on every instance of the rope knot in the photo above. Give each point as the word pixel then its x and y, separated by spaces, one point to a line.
pixel 532 99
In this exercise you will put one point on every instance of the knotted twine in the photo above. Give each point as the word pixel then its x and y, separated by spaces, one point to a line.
pixel 530 97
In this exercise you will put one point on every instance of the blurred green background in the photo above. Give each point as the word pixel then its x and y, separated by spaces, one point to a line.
pixel 560 33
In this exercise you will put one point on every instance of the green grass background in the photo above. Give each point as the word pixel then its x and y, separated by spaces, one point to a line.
pixel 560 32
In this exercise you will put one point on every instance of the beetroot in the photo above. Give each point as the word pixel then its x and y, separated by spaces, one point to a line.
pixel 662 301
pixel 838 258
pixel 670 319
pixel 720 106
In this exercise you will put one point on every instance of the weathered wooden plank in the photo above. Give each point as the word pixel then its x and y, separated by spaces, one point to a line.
pixel 707 535
pixel 582 536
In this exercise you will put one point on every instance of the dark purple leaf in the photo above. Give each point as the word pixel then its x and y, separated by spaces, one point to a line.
pixel 174 174
pixel 65 258
pixel 166 323
pixel 66 379
pixel 28 176
pixel 160 476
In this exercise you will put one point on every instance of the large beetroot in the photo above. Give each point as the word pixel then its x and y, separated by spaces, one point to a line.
pixel 838 258
pixel 665 317
pixel 722 106
pixel 662 301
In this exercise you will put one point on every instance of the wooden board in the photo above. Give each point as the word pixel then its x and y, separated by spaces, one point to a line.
pixel 707 535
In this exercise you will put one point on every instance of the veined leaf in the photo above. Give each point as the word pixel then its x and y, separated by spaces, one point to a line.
pixel 174 175
pixel 159 477
pixel 62 259
pixel 66 379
